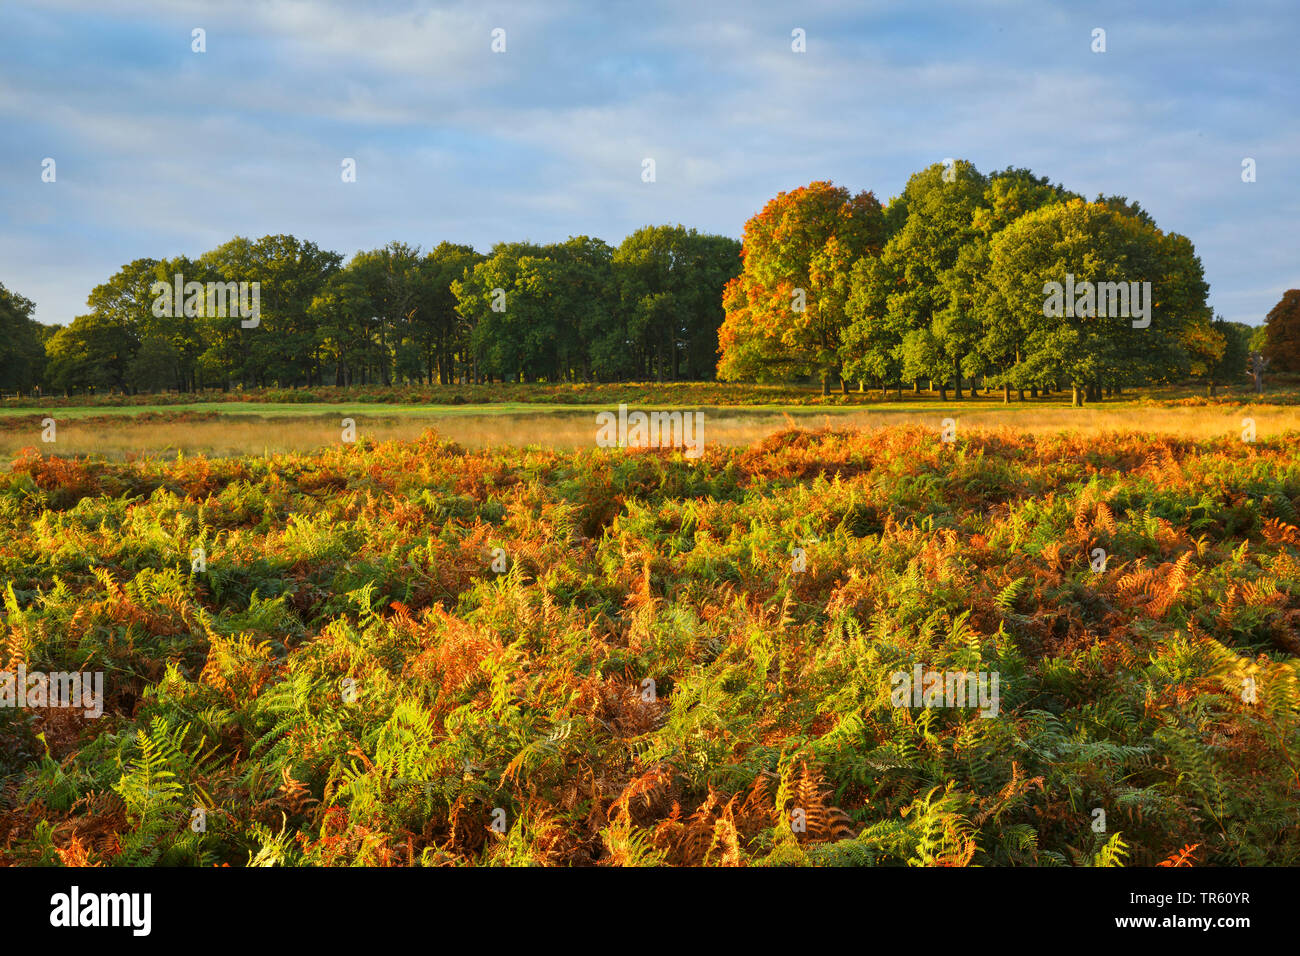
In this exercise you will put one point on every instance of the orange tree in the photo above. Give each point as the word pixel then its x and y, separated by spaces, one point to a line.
pixel 1282 342
pixel 784 313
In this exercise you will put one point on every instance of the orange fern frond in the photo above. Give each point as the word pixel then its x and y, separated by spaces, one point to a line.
pixel 1181 857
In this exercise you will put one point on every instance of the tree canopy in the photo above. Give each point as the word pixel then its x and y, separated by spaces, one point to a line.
pixel 578 310
pixel 964 280
pixel 964 276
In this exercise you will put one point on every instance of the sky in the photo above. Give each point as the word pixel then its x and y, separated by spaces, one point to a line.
pixel 162 151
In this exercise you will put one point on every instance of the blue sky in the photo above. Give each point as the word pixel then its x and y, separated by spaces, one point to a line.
pixel 162 151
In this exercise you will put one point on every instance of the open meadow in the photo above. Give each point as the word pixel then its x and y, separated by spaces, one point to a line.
pixel 563 418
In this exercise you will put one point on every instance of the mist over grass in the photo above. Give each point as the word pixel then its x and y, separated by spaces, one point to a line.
pixel 256 429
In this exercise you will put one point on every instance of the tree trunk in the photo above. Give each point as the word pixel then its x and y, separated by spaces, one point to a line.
pixel 1076 400
pixel 1006 394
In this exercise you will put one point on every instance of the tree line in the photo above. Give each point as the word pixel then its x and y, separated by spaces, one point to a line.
pixel 579 310
pixel 1002 280
pixel 964 281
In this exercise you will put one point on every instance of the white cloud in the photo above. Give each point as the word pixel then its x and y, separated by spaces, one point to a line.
pixel 169 155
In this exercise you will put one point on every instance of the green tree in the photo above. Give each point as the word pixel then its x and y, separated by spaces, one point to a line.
pixel 926 289
pixel 173 341
pixel 22 350
pixel 670 281
pixel 872 341
pixel 576 297
pixel 500 339
pixel 154 366
pixel 1232 364
pixel 122 311
pixel 439 332
pixel 1010 194
pixel 92 352
pixel 1030 261
pixel 284 347
pixel 341 312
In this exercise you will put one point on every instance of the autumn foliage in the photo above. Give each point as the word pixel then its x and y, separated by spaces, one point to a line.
pixel 785 311
pixel 1282 340
pixel 648 680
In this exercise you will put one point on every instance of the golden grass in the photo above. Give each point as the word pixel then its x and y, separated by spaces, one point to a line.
pixel 249 435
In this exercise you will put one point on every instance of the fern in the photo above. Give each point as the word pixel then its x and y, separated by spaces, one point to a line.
pixel 1112 853
pixel 1006 598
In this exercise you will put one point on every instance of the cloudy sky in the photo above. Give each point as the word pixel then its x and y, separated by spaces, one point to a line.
pixel 162 151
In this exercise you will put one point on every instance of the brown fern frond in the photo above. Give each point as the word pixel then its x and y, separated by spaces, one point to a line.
pixel 642 787
pixel 1227 606
pixel 961 856
pixel 1260 592
pixel 294 795
pixel 1166 592
pixel 726 842
pixel 75 854
pixel 1279 532
pixel 1178 577
pixel 840 826
pixel 1051 555
pixel 698 836
pixel 1015 788
pixel 757 804
pixel 1105 518
pixel 1134 583
pixel 811 799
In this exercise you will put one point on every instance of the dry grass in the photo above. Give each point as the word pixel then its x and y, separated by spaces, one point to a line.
pixel 245 435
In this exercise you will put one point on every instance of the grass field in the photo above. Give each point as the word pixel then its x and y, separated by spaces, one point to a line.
pixel 417 652
pixel 259 429
pixel 1282 389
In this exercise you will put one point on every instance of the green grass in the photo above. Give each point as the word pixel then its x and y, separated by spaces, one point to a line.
pixel 388 410
pixel 280 410
pixel 510 398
